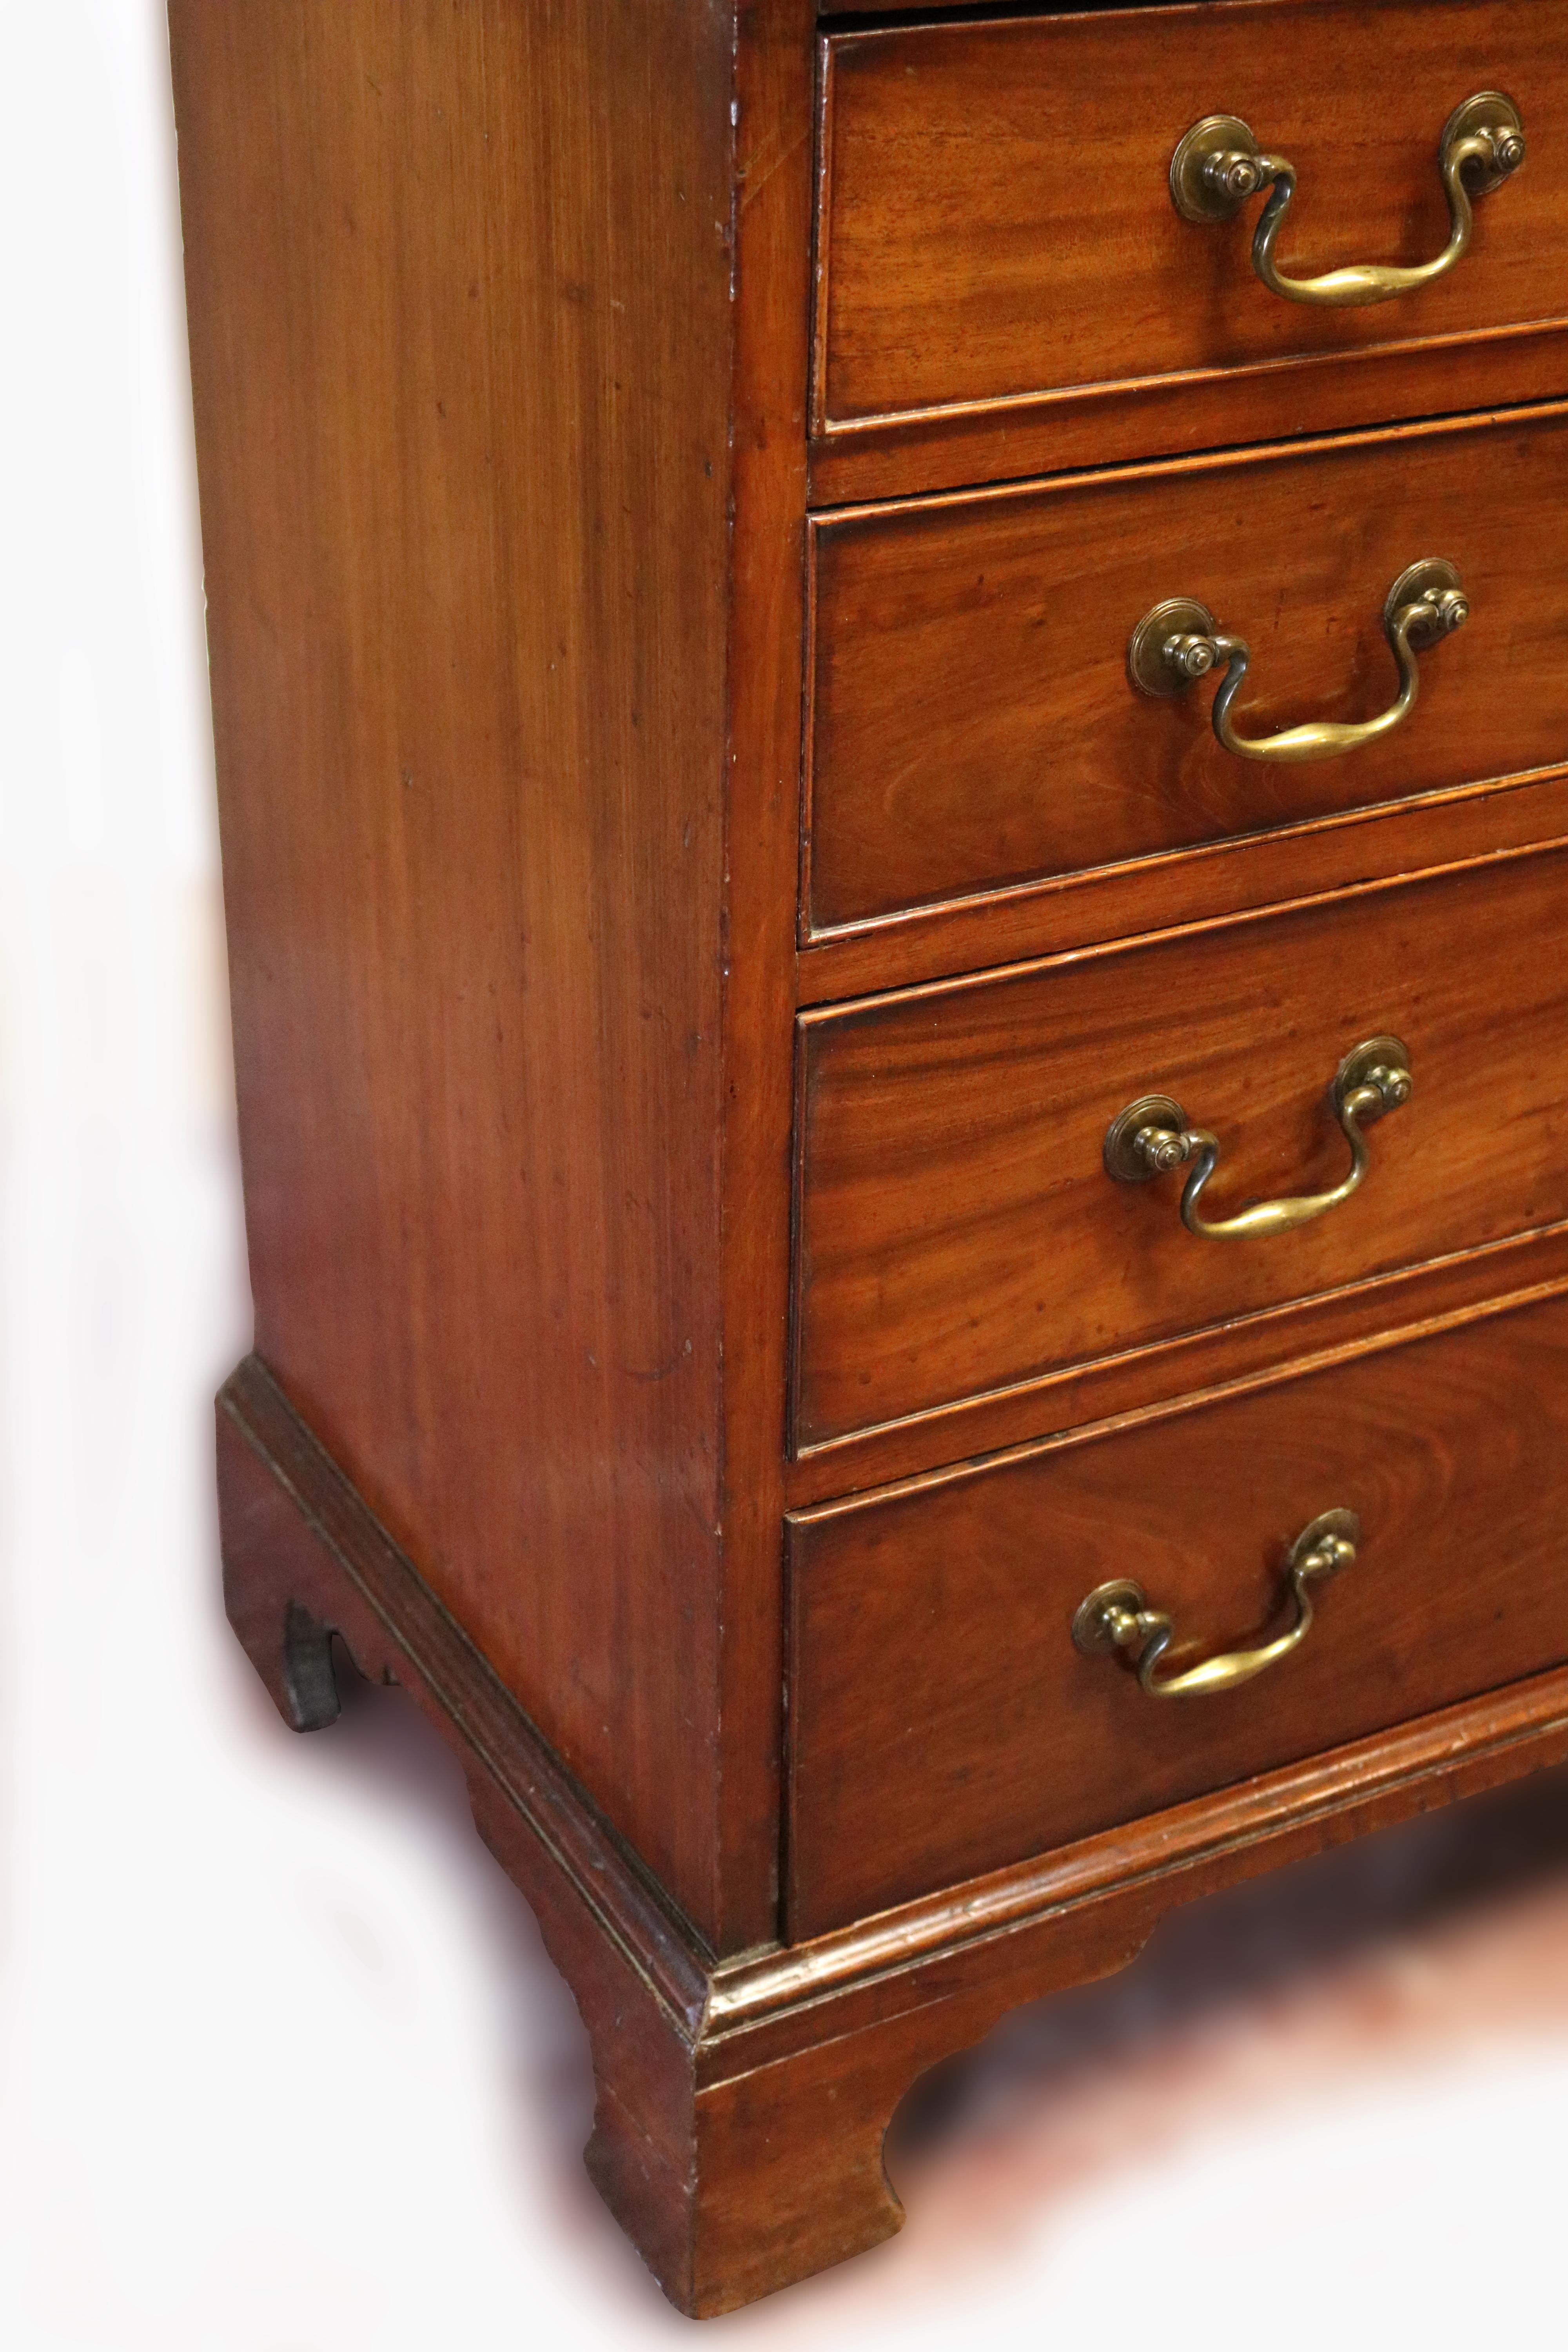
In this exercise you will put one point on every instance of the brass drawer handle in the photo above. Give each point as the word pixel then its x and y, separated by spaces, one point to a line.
pixel 1151 1137
pixel 1219 165
pixel 1117 1616
pixel 1179 641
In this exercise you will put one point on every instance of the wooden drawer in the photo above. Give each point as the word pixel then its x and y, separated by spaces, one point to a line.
pixel 958 1233
pixel 998 224
pixel 943 1722
pixel 974 724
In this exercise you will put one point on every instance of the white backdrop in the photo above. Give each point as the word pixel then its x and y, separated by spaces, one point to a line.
pixel 283 2068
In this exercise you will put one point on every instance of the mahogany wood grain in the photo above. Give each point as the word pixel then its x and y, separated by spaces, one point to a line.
pixel 1245 1352
pixel 943 1722
pixel 997 222
pixel 958 1232
pixel 501 331
pixel 497 689
pixel 974 723
pixel 772 202
pixel 741 2103
pixel 1276 400
pixel 1425 833
pixel 975 1939
pixel 830 9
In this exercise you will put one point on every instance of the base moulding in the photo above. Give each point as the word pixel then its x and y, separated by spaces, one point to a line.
pixel 743 2102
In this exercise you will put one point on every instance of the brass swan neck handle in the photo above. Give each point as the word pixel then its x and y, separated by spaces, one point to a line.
pixel 1179 641
pixel 1219 165
pixel 1117 1616
pixel 1152 1137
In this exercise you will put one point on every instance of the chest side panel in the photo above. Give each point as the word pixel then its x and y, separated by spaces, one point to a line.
pixel 461 326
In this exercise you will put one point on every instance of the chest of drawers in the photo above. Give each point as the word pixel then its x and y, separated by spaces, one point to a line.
pixel 892 705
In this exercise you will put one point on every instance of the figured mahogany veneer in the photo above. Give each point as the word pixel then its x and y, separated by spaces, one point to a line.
pixel 557 1100
pixel 972 722
pixel 936 1686
pixel 1282 867
pixel 998 231
pixel 958 1232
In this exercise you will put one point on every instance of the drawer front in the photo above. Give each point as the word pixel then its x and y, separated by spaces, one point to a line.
pixel 974 726
pixel 958 1232
pixel 998 221
pixel 942 1721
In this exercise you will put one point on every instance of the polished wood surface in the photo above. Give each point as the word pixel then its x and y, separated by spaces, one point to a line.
pixel 1244 1353
pixel 502 335
pixel 462 321
pixel 1276 400
pixel 741 2103
pixel 974 724
pixel 1425 833
pixel 997 221
pixel 941 1721
pixel 959 1234
pixel 771 226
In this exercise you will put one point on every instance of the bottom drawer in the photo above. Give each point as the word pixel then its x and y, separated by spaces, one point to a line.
pixel 942 1720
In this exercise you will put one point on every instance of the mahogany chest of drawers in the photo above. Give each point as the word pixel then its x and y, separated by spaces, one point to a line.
pixel 891 703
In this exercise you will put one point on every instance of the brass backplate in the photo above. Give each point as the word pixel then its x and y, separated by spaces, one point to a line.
pixel 1376 1054
pixel 1178 616
pixel 1216 135
pixel 1490 109
pixel 1092 1620
pixel 1434 576
pixel 1343 1524
pixel 1123 1158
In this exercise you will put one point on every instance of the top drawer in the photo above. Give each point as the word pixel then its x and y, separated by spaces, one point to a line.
pixel 998 224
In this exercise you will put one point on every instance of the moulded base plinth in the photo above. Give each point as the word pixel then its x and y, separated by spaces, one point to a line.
pixel 743 2102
